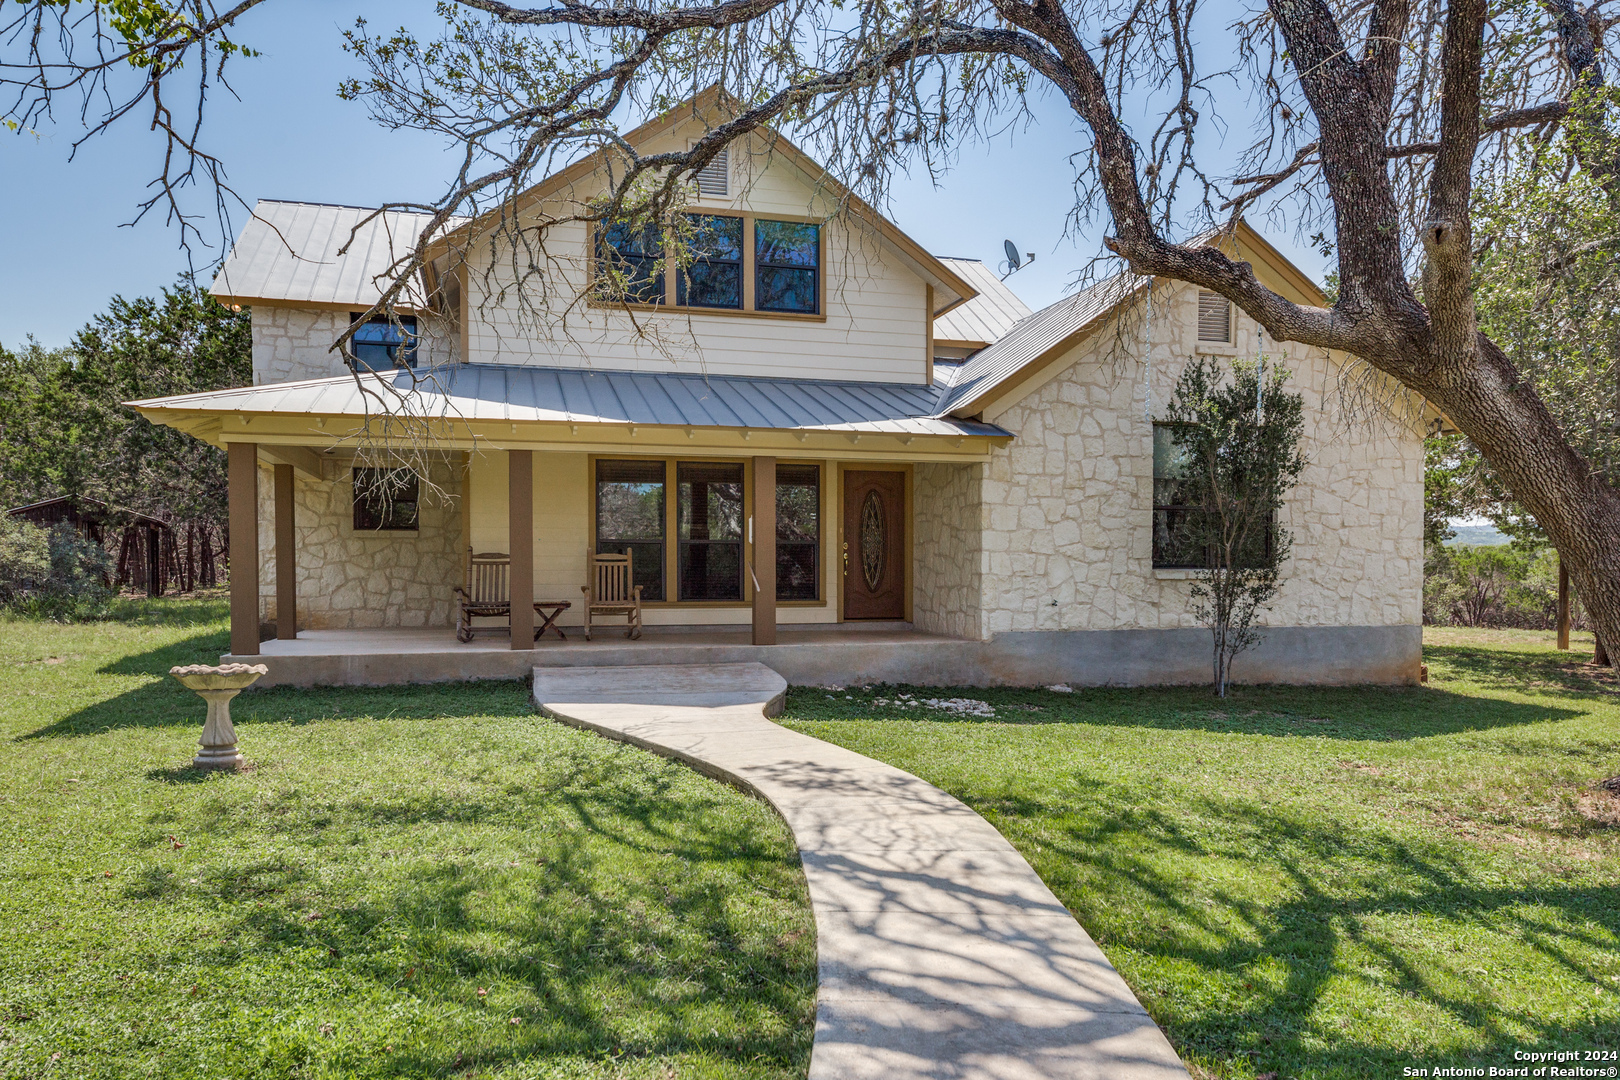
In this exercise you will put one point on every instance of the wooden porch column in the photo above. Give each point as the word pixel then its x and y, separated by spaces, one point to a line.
pixel 1563 606
pixel 520 532
pixel 765 551
pixel 286 557
pixel 242 482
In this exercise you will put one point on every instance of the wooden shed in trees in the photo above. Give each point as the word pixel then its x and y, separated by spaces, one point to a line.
pixel 143 545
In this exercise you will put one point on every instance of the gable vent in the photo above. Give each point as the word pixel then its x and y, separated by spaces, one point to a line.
pixel 1214 317
pixel 713 178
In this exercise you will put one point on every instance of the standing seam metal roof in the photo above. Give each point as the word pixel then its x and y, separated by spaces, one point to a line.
pixel 1034 335
pixel 581 395
pixel 987 316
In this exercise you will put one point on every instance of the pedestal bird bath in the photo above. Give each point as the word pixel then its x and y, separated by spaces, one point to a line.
pixel 217 685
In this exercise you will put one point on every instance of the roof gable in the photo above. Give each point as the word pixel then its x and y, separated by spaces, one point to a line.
pixel 1041 338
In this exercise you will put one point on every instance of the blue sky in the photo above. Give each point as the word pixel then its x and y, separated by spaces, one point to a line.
pixel 290 137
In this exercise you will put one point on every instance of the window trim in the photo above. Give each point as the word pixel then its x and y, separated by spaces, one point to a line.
pixel 671 524
pixel 747 311
pixel 821 300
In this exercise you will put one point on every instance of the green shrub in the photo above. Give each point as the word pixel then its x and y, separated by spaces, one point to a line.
pixel 53 573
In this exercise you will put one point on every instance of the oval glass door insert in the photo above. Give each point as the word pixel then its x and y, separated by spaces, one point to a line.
pixel 872 540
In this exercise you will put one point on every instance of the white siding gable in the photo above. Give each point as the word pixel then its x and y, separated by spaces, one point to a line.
pixel 874 329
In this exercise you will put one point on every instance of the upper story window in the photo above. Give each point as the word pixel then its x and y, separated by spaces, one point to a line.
pixel 1214 317
pixel 738 263
pixel 714 278
pixel 631 262
pixel 381 344
pixel 386 499
pixel 787 266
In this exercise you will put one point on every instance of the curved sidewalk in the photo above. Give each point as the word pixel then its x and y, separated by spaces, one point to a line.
pixel 940 952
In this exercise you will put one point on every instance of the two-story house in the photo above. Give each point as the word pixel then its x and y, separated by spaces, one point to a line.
pixel 823 447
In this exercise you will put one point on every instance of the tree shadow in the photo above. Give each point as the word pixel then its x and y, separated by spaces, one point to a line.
pixel 1529 670
pixel 163 702
pixel 1365 713
pixel 592 962
pixel 1364 914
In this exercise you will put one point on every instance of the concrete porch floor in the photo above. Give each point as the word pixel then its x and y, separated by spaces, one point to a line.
pixel 805 655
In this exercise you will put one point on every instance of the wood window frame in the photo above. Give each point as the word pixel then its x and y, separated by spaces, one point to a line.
pixel 669 307
pixel 672 559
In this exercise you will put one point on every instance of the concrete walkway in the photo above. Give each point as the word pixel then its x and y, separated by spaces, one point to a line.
pixel 940 952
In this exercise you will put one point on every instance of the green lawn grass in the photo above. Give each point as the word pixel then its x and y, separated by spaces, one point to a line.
pixel 1313 882
pixel 411 882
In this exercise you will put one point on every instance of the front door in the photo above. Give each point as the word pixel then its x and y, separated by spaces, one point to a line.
pixel 874 545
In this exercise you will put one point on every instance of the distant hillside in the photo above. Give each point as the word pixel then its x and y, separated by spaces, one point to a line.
pixel 1477 536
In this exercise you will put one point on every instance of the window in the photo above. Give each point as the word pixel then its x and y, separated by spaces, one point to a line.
pixel 630 518
pixel 382 345
pixel 787 267
pixel 631 262
pixel 798 531
pixel 1214 317
pixel 1175 544
pixel 715 177
pixel 1178 524
pixel 714 277
pixel 709 527
pixel 385 499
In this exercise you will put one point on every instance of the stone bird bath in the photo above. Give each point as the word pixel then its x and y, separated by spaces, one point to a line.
pixel 217 685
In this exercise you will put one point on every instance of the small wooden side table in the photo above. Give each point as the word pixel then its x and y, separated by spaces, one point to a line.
pixel 548 610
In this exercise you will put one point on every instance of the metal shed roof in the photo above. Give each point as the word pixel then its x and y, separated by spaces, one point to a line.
pixel 583 396
pixel 288 251
pixel 1033 336
pixel 987 316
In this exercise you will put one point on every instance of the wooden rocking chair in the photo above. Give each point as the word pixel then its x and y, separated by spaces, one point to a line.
pixel 610 593
pixel 488 592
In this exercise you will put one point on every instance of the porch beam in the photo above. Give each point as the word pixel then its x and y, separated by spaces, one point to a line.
pixel 242 484
pixel 764 523
pixel 520 532
pixel 301 458
pixel 286 557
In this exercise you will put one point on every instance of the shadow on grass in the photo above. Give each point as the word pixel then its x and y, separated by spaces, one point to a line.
pixel 165 703
pixel 1370 713
pixel 592 960
pixel 1365 923
pixel 1524 670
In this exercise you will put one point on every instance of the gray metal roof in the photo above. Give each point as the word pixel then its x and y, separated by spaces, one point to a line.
pixel 987 316
pixel 1033 336
pixel 288 251
pixel 583 396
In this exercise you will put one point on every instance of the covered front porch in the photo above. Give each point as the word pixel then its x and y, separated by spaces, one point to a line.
pixel 820 520
pixel 833 654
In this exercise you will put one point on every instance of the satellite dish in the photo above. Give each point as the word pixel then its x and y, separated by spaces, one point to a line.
pixel 1014 261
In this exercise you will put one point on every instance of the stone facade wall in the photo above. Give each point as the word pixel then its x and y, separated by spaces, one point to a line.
pixel 1068 505
pixel 947 552
pixel 293 343
pixel 364 580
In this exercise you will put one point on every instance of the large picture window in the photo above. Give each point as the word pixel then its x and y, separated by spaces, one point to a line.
pixel 787 267
pixel 630 262
pixel 386 500
pixel 381 344
pixel 709 523
pixel 630 518
pixel 798 531
pixel 714 278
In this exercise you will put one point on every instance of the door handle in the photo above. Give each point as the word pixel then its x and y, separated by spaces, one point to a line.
pixel 846 558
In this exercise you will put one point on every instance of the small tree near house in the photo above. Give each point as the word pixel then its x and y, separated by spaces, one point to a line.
pixel 1237 447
